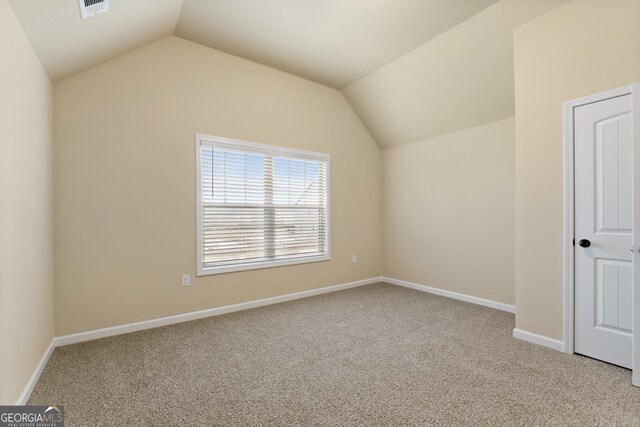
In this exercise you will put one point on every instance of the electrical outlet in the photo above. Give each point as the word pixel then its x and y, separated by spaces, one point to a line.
pixel 354 259
pixel 186 280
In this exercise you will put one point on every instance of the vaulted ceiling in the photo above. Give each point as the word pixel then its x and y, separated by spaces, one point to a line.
pixel 68 45
pixel 334 42
pixel 460 79
pixel 411 69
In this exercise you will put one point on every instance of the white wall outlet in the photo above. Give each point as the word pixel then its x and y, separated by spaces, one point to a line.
pixel 354 259
pixel 186 280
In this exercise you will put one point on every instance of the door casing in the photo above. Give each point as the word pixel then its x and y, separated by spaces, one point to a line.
pixel 569 236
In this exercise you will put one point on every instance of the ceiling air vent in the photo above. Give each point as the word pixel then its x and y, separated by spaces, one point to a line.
pixel 89 8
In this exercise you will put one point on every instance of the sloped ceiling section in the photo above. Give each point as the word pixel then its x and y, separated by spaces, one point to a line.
pixel 411 69
pixel 334 42
pixel 460 79
pixel 67 45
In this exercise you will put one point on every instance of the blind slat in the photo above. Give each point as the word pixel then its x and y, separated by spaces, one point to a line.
pixel 258 207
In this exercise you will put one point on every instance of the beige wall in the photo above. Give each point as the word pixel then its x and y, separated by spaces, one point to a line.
pixel 578 49
pixel 449 212
pixel 125 181
pixel 26 257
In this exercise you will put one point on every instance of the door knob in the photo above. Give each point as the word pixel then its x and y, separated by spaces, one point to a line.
pixel 584 243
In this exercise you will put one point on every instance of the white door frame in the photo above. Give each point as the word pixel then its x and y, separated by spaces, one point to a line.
pixel 568 243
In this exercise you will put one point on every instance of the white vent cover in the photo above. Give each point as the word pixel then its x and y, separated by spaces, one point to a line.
pixel 89 8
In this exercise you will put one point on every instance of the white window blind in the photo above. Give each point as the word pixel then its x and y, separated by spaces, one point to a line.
pixel 260 206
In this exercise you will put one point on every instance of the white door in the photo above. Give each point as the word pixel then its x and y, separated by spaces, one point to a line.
pixel 603 230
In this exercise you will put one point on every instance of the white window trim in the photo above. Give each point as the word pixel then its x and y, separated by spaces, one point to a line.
pixel 260 149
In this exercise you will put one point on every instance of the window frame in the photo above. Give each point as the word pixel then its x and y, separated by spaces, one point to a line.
pixel 263 149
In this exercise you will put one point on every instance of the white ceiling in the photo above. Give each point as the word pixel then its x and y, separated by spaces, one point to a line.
pixel 460 79
pixel 67 45
pixel 334 42
pixel 411 69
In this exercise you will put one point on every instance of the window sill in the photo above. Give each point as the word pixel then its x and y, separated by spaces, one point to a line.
pixel 208 271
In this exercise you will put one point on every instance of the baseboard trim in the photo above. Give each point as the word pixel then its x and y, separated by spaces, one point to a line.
pixel 194 315
pixel 538 339
pixel 26 393
pixel 170 320
pixel 455 295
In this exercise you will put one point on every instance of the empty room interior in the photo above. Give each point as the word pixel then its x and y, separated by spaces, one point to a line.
pixel 319 212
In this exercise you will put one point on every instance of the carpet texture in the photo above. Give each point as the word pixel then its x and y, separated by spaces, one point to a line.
pixel 374 355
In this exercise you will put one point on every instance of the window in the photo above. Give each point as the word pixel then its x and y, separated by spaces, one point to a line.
pixel 259 206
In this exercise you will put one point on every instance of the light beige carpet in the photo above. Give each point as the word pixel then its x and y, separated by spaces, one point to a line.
pixel 375 355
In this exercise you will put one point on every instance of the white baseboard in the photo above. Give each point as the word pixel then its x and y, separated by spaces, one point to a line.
pixel 194 315
pixel 538 339
pixel 517 333
pixel 26 393
pixel 170 320
pixel 462 297
pixel 186 317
